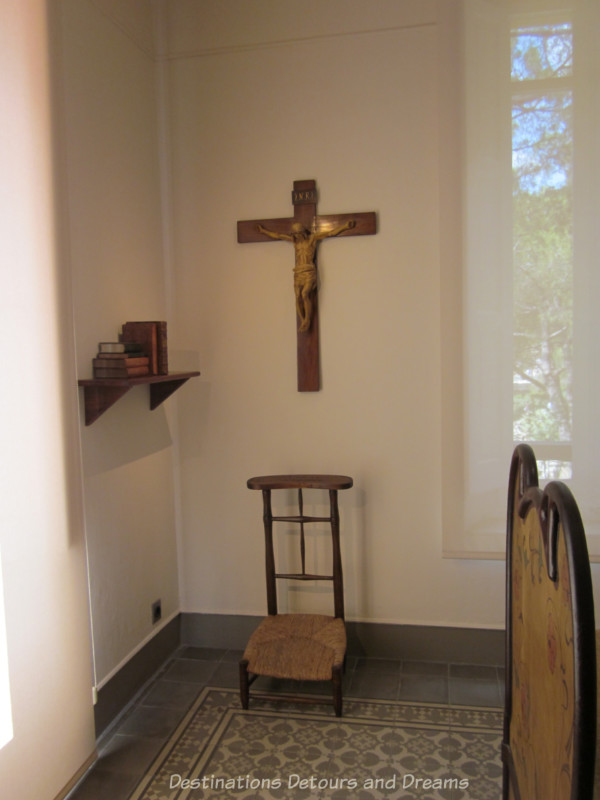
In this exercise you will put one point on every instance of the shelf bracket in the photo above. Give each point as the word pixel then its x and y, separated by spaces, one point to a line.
pixel 99 399
pixel 160 391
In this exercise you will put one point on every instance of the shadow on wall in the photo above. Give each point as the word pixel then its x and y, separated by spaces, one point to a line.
pixel 125 433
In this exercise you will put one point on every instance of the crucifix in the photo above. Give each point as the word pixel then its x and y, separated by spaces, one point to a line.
pixel 305 230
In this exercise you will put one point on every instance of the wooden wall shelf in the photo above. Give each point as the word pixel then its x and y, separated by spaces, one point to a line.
pixel 100 394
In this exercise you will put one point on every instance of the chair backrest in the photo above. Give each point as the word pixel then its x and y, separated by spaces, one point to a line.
pixel 272 575
pixel 548 748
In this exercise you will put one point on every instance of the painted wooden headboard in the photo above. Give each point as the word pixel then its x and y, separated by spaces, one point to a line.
pixel 549 741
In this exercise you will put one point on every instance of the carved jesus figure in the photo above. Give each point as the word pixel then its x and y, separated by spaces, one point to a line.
pixel 305 272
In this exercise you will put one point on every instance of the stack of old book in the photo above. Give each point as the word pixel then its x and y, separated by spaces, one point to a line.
pixel 140 351
pixel 120 360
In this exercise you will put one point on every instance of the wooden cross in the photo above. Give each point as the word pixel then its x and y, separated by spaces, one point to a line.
pixel 304 230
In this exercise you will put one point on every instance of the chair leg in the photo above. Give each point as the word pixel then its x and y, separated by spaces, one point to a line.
pixel 244 684
pixel 336 678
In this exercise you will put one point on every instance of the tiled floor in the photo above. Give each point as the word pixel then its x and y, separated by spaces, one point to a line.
pixel 129 746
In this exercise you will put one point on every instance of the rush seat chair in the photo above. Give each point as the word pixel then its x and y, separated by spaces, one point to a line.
pixel 298 647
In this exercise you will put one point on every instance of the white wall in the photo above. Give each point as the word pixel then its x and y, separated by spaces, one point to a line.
pixel 356 96
pixel 41 535
pixel 114 197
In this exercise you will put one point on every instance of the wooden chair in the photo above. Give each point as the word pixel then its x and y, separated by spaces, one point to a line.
pixel 300 647
pixel 548 748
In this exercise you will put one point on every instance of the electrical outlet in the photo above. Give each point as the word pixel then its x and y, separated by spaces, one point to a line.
pixel 156 611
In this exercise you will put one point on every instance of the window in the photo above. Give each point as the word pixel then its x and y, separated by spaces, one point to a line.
pixel 531 280
pixel 542 239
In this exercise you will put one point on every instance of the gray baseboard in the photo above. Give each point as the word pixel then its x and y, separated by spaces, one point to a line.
pixel 227 631
pixel 115 695
pixel 374 640
pixel 231 632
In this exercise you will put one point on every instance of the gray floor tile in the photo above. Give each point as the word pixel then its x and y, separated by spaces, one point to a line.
pixel 374 684
pixel 226 675
pixel 269 685
pixel 104 785
pixel 202 653
pixel 473 672
pixel 463 691
pixel 171 694
pixel 128 754
pixel 424 688
pixel 425 668
pixel 501 692
pixel 233 655
pixel 379 665
pixel 501 677
pixel 190 670
pixel 150 722
pixel 319 687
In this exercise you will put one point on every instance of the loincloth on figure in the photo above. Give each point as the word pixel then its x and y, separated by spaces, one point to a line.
pixel 305 276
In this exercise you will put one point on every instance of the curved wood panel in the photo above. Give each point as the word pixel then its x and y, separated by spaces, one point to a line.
pixel 550 705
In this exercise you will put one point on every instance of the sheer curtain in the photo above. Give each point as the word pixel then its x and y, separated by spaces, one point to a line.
pixel 531 266
pixel 586 234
